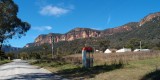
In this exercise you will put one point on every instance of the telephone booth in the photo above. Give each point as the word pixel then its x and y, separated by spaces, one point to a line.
pixel 87 57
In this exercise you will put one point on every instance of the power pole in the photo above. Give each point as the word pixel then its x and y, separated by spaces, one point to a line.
pixel 52 42
pixel 140 45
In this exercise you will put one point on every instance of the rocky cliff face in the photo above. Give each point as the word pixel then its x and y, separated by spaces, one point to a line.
pixel 149 18
pixel 44 38
pixel 127 27
pixel 77 33
pixel 80 33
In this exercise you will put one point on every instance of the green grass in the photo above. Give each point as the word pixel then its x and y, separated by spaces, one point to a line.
pixel 53 66
pixel 4 61
pixel 134 70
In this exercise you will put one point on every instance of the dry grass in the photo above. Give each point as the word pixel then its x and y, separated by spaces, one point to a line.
pixel 135 66
pixel 135 70
pixel 100 58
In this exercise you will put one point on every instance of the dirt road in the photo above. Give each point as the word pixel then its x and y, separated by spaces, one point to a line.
pixel 21 70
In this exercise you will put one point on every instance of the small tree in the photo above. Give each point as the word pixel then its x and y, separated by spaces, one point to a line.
pixel 24 55
pixel 103 44
pixel 2 55
pixel 10 55
pixel 133 43
pixel 45 50
pixel 158 45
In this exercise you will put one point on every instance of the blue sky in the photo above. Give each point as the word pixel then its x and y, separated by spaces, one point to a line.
pixel 60 16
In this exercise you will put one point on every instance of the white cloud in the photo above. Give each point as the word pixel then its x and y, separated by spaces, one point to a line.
pixel 53 10
pixel 42 28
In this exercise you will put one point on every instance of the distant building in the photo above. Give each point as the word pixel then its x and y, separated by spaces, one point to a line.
pixel 123 50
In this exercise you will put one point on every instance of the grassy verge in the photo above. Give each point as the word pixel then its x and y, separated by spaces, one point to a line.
pixel 4 61
pixel 134 70
pixel 76 72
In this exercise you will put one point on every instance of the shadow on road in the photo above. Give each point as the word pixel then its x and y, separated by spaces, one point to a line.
pixel 81 73
pixel 152 76
pixel 34 76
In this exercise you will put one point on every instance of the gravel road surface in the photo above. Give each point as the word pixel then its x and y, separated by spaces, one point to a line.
pixel 21 70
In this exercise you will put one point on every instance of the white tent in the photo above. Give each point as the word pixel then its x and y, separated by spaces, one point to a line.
pixel 124 50
pixel 107 51
pixel 144 50
pixel 137 50
pixel 97 50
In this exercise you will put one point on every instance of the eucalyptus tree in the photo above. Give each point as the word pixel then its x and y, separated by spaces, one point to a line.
pixel 10 25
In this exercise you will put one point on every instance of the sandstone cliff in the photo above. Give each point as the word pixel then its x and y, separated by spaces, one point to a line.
pixel 80 33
